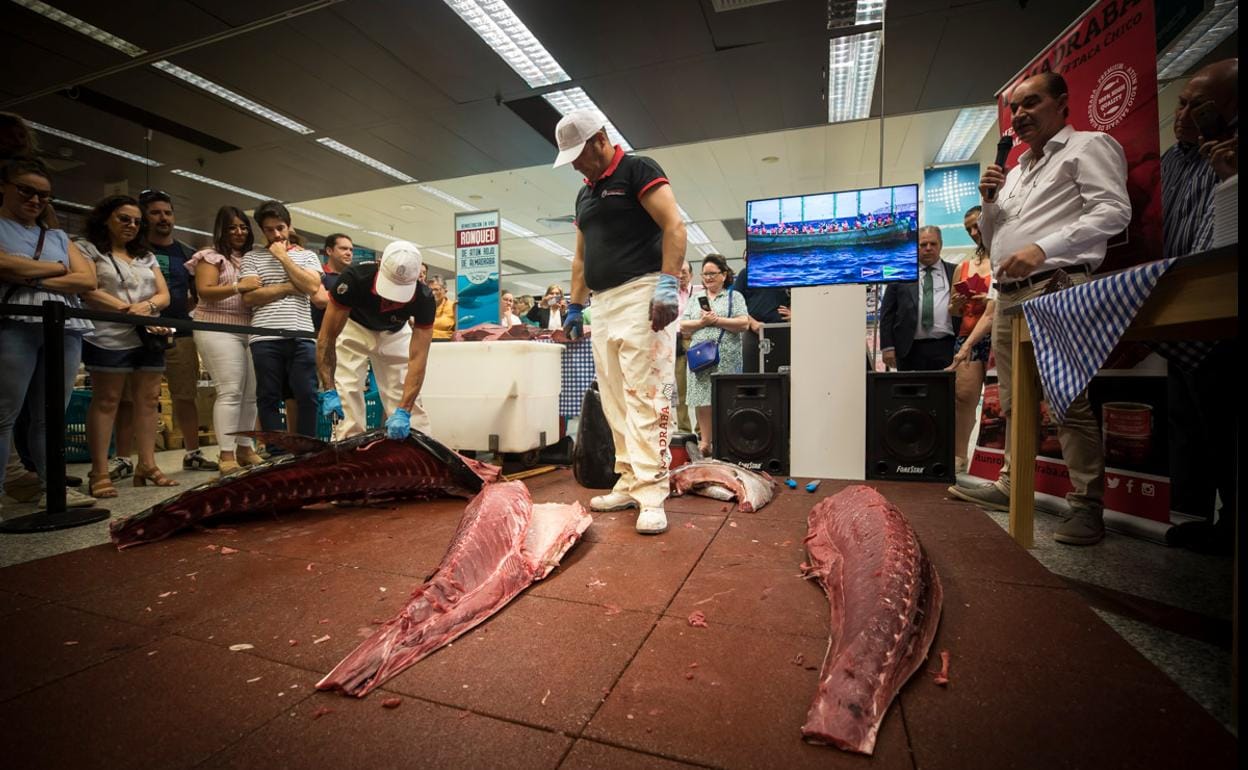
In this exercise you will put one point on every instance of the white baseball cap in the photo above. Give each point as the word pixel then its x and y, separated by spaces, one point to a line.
pixel 573 131
pixel 399 272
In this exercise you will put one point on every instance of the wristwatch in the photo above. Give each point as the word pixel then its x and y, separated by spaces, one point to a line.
pixel 152 306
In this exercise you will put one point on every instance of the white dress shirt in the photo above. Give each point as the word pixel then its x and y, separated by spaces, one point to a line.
pixel 1069 202
pixel 941 325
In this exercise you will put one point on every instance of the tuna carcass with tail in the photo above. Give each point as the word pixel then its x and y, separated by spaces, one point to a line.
pixel 358 469
pixel 503 544
pixel 885 599
pixel 724 481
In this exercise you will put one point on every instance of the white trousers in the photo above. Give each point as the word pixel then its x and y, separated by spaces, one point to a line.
pixel 229 362
pixel 636 370
pixel 388 352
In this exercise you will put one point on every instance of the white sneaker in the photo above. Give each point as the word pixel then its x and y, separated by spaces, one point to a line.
pixel 652 521
pixel 73 499
pixel 615 501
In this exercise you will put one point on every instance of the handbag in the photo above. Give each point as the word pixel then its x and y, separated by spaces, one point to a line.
pixel 705 355
pixel 148 340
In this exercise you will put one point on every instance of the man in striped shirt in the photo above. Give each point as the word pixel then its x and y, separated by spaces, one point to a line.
pixel 277 283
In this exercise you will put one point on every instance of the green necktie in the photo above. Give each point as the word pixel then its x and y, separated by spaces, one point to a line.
pixel 927 314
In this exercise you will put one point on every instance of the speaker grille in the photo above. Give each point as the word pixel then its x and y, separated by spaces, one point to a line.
pixel 910 434
pixel 749 433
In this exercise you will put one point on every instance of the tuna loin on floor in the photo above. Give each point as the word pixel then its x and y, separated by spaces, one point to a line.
pixel 504 543
pixel 358 469
pixel 724 481
pixel 885 599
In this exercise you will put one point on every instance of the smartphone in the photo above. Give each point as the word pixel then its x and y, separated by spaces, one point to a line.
pixel 552 301
pixel 705 303
pixel 1208 121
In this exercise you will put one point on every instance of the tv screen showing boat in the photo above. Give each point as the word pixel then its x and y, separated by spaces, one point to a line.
pixel 857 236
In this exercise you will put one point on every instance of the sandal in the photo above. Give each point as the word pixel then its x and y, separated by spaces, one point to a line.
pixel 143 474
pixel 101 484
pixel 247 456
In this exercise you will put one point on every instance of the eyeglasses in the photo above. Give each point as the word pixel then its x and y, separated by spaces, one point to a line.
pixel 715 274
pixel 238 229
pixel 126 219
pixel 150 195
pixel 28 192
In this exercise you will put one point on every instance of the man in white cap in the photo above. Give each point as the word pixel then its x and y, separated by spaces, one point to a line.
pixel 630 245
pixel 367 320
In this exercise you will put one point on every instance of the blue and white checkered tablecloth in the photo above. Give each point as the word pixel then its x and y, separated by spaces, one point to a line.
pixel 1073 331
pixel 576 375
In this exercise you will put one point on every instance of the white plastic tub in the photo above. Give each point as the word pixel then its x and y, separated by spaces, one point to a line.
pixel 475 391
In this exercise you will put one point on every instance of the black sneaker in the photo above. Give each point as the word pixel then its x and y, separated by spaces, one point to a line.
pixel 120 468
pixel 195 461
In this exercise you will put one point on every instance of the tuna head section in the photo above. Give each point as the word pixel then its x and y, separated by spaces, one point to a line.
pixel 504 543
pixel 885 601
pixel 724 481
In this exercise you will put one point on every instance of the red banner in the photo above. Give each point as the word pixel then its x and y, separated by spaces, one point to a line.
pixel 1108 57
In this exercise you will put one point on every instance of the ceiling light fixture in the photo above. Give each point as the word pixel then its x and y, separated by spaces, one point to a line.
pixel 1203 37
pixel 91 143
pixel 387 237
pixel 371 162
pixel 496 24
pixel 192 230
pixel 71 204
pixel 694 234
pixel 852 62
pixel 966 134
pixel 445 196
pixel 222 185
pixel 571 99
pixel 324 217
pixel 132 50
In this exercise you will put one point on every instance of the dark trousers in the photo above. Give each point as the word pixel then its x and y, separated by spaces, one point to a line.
pixel 1204 419
pixel 282 365
pixel 927 356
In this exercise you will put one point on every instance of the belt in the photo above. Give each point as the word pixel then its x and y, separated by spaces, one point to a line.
pixel 1038 278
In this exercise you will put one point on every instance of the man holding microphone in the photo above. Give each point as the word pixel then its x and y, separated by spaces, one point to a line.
pixel 1052 214
pixel 630 244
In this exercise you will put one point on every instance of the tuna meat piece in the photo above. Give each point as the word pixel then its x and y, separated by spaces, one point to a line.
pixel 503 544
pixel 362 468
pixel 885 599
pixel 724 481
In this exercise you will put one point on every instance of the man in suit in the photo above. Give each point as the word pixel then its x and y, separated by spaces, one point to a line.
pixel 916 329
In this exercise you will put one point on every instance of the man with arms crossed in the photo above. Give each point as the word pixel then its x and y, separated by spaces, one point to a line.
pixel 1055 210
pixel 630 244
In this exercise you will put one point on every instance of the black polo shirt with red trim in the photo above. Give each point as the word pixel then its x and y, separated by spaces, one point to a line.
pixel 356 291
pixel 622 242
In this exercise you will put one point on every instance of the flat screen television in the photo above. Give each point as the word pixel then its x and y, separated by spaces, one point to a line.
pixel 855 236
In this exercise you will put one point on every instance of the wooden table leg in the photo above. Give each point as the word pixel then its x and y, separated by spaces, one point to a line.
pixel 1025 406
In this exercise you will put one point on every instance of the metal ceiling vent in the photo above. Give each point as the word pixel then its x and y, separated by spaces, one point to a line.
pixel 722 6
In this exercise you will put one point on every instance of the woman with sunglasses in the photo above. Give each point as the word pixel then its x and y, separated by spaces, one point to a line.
pixel 216 274
pixel 722 320
pixel 130 281
pixel 37 264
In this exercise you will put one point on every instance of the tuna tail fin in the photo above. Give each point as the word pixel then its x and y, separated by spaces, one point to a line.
pixel 291 442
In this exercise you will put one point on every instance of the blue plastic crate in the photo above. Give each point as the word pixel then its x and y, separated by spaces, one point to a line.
pixel 372 417
pixel 76 450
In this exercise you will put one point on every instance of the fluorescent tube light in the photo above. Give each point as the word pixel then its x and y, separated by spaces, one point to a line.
pixel 503 31
pixel 966 134
pixel 1205 35
pixel 445 196
pixel 571 99
pixel 191 230
pixel 852 62
pixel 80 26
pixel 371 162
pixel 91 143
pixel 222 185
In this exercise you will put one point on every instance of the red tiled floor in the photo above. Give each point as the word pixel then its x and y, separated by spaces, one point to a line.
pixel 49 641
pixel 79 573
pixel 591 755
pixel 12 602
pixel 535 650
pixel 172 704
pixel 363 734
pixel 751 576
pixel 744 706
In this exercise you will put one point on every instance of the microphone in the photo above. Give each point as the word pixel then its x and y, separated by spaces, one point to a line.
pixel 1003 152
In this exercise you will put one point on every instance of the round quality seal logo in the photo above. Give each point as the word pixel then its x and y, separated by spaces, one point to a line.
pixel 1113 96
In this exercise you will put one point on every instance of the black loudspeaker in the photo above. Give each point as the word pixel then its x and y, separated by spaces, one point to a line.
pixel 751 421
pixel 910 426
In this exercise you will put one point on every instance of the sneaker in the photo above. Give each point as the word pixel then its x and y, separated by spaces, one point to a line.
pixel 195 461
pixel 652 521
pixel 120 468
pixel 25 488
pixel 615 501
pixel 1082 527
pixel 959 465
pixel 987 495
pixel 73 499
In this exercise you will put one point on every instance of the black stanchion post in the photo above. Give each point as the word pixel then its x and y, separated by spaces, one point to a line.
pixel 55 515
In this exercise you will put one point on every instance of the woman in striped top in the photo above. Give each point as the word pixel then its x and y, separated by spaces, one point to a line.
pixel 226 355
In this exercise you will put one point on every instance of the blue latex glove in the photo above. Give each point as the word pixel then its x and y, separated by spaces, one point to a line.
pixel 663 305
pixel 573 323
pixel 331 405
pixel 399 425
